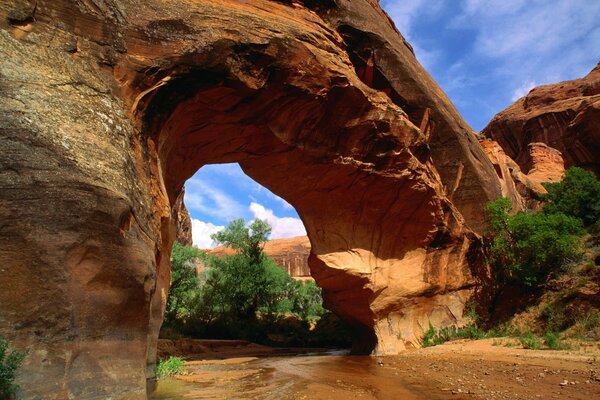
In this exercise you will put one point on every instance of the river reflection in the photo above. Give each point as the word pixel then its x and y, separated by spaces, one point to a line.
pixel 319 376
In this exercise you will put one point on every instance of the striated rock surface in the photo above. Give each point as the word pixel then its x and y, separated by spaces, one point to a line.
pixel 524 191
pixel 544 163
pixel 182 220
pixel 290 253
pixel 107 107
pixel 564 116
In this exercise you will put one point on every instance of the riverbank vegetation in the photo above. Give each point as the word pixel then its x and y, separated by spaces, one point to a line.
pixel 547 268
pixel 245 295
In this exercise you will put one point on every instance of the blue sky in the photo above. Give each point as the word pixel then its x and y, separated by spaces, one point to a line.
pixel 484 54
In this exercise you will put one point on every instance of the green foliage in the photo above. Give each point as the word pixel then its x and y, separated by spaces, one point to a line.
pixel 429 336
pixel 576 195
pixel 530 341
pixel 307 302
pixel 169 367
pixel 10 361
pixel 553 341
pixel 542 243
pixel 528 246
pixel 184 283
pixel 248 240
pixel 434 337
pixel 244 295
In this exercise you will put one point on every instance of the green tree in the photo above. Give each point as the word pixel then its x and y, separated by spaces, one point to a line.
pixel 542 243
pixel 249 241
pixel 576 195
pixel 308 303
pixel 526 247
pixel 10 361
pixel 185 287
pixel 240 281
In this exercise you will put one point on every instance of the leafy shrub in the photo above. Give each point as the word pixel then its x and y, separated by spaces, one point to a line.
pixel 170 366
pixel 542 243
pixel 428 339
pixel 553 341
pixel 530 341
pixel 10 361
pixel 185 287
pixel 576 195
pixel 434 337
pixel 528 246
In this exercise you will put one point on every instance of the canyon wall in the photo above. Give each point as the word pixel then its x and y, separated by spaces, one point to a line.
pixel 551 125
pixel 107 107
pixel 290 253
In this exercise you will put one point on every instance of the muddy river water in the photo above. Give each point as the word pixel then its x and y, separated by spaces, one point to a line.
pixel 328 376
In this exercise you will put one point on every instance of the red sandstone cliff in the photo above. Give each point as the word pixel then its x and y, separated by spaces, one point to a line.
pixel 183 222
pixel 564 117
pixel 291 253
pixel 107 107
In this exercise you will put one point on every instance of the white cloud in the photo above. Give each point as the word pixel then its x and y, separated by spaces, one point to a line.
pixel 282 227
pixel 534 40
pixel 523 90
pixel 201 232
pixel 211 201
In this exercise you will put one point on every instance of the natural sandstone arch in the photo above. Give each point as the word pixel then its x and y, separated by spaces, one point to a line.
pixel 108 106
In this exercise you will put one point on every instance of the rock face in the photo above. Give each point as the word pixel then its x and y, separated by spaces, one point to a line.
pixel 292 254
pixel 107 107
pixel 564 117
pixel 524 191
pixel 182 220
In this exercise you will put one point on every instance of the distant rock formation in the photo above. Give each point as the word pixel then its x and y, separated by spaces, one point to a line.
pixel 291 253
pixel 183 222
pixel 565 117
pixel 524 191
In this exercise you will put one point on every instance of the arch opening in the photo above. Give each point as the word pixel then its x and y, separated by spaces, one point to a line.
pixel 382 233
pixel 272 301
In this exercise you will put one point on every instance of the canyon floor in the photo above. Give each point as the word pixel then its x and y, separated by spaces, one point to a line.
pixel 484 369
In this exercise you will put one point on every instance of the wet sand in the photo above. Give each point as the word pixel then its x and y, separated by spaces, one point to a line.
pixel 459 370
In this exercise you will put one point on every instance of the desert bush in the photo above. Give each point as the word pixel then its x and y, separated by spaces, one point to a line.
pixel 170 366
pixel 530 341
pixel 553 341
pixel 434 337
pixel 576 195
pixel 10 361
pixel 527 247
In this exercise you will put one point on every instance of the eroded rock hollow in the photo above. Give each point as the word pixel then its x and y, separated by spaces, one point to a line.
pixel 109 106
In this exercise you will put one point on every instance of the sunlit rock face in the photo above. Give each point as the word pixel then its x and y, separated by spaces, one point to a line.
pixel 289 253
pixel 565 117
pixel 524 191
pixel 107 107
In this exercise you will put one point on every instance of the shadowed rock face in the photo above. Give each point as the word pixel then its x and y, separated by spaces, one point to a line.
pixel 109 106
pixel 564 116
pixel 183 222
